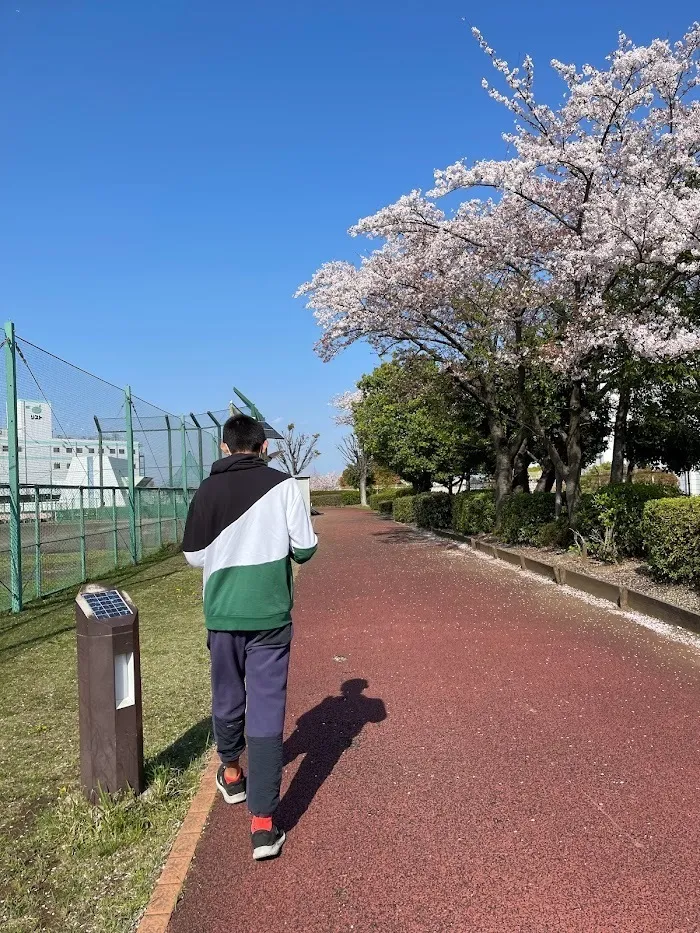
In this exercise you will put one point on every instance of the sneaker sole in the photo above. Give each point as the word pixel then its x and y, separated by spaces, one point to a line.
pixel 263 852
pixel 231 798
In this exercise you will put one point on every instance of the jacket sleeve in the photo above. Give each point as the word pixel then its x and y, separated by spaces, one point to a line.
pixel 193 546
pixel 302 537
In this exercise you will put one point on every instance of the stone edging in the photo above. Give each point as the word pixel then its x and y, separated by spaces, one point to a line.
pixel 167 890
pixel 621 596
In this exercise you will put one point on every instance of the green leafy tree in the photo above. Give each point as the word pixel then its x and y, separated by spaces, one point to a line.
pixel 413 420
pixel 664 425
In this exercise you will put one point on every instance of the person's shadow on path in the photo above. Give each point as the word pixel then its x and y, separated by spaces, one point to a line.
pixel 322 735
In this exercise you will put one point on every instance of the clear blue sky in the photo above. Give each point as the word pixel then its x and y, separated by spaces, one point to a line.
pixel 171 171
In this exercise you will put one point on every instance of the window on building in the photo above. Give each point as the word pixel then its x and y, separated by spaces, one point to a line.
pixel 121 452
pixel 57 450
pixel 112 450
pixel 78 450
pixel 20 449
pixel 57 466
pixel 91 450
pixel 68 466
pixel 69 450
pixel 4 449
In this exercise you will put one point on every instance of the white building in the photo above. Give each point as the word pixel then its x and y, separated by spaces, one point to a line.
pixel 46 460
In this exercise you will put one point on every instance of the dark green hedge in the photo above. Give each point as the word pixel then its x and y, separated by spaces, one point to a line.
pixel 523 515
pixel 670 532
pixel 473 512
pixel 610 519
pixel 403 509
pixel 335 497
pixel 433 510
pixel 386 507
pixel 388 495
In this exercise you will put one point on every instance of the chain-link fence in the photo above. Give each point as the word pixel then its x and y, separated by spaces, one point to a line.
pixel 92 477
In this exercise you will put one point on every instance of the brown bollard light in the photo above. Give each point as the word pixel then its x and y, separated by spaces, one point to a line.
pixel 109 688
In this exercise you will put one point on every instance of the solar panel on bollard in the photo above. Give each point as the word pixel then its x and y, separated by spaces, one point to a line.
pixel 109 687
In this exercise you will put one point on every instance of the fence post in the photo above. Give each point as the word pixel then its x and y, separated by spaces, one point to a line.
pixel 219 434
pixel 170 452
pixel 100 453
pixel 173 496
pixel 83 555
pixel 115 534
pixel 132 480
pixel 37 543
pixel 183 432
pixel 200 448
pixel 13 469
pixel 160 520
pixel 138 504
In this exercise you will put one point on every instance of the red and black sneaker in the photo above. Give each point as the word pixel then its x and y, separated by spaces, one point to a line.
pixel 231 791
pixel 267 839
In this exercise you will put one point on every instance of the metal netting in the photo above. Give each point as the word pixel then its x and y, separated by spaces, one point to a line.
pixel 92 477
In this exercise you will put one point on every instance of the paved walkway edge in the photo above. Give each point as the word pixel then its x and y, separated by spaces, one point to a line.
pixel 624 598
pixel 167 890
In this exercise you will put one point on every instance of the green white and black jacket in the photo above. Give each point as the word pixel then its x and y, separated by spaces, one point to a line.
pixel 245 525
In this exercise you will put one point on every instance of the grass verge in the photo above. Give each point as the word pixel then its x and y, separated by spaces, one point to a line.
pixel 66 865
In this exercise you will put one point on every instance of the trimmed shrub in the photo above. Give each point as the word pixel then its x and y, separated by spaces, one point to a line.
pixel 386 507
pixel 553 534
pixel 473 512
pixel 656 477
pixel 611 519
pixel 671 535
pixel 433 510
pixel 403 509
pixel 523 515
pixel 329 498
pixel 335 497
pixel 388 495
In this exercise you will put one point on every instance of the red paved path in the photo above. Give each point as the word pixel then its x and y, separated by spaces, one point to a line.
pixel 537 770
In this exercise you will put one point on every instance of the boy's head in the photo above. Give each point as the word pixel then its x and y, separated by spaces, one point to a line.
pixel 243 435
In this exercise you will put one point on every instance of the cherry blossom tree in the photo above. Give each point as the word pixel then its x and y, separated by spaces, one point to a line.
pixel 614 174
pixel 324 481
pixel 581 259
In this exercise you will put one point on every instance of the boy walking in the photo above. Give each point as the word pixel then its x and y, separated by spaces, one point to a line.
pixel 246 524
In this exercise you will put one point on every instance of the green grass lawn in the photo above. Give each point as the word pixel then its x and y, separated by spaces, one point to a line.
pixel 65 865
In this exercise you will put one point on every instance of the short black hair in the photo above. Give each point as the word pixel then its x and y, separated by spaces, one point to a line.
pixel 242 433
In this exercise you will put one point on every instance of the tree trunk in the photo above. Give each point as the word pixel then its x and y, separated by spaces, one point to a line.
pixel 363 486
pixel 546 481
pixel 503 475
pixel 558 498
pixel 422 483
pixel 521 477
pixel 630 473
pixel 574 453
pixel 620 443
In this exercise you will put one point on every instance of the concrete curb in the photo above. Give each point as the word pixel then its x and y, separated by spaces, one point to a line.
pixel 620 596
pixel 167 890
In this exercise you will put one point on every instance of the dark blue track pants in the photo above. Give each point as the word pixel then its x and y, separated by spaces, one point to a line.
pixel 249 695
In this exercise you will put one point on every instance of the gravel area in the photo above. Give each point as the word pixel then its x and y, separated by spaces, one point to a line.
pixel 630 573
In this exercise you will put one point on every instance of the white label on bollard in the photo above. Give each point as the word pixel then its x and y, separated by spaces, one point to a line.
pixel 124 687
